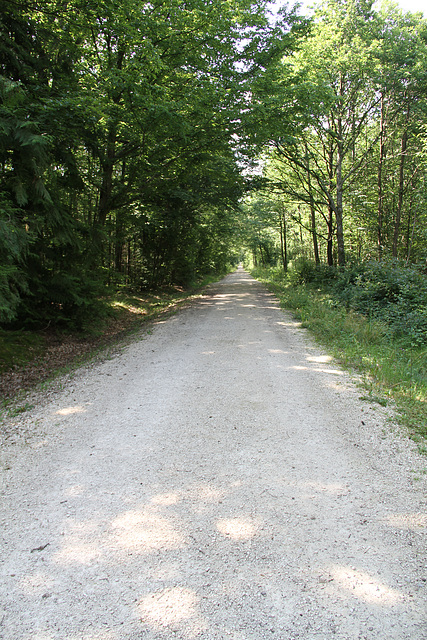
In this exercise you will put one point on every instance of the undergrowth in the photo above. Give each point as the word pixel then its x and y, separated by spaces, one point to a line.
pixel 391 359
pixel 31 355
pixel 19 347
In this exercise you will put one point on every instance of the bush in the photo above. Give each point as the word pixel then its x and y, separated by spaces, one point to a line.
pixel 304 271
pixel 390 292
pixel 69 301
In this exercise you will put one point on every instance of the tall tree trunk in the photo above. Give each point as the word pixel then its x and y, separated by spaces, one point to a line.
pixel 283 240
pixel 312 211
pixel 261 253
pixel 403 148
pixel 107 163
pixel 411 240
pixel 330 222
pixel 301 237
pixel 129 262
pixel 380 182
pixel 409 232
pixel 118 247
pixel 330 247
pixel 339 177
pixel 104 206
pixel 339 205
pixel 314 231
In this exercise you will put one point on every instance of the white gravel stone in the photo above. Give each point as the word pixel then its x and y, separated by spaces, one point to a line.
pixel 219 477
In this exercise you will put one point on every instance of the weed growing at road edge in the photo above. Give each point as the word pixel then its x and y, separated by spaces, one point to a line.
pixel 391 369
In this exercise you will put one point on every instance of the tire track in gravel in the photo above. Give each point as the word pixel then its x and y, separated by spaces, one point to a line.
pixel 218 479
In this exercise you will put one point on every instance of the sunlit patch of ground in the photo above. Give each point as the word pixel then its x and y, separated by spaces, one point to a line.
pixel 363 586
pixel 175 608
pixel 238 528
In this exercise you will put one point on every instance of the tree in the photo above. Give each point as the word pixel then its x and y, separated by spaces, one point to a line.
pixel 137 109
pixel 334 88
pixel 402 86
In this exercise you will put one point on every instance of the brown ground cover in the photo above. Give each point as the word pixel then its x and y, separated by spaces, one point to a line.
pixel 61 352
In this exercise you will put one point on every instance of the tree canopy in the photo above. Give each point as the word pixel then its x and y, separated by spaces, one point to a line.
pixel 346 145
pixel 130 133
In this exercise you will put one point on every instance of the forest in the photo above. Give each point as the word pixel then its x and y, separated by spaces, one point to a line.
pixel 146 144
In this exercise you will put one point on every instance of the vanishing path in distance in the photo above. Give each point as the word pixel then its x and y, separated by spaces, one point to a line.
pixel 219 478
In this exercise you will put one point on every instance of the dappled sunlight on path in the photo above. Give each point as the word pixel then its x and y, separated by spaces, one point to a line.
pixel 215 480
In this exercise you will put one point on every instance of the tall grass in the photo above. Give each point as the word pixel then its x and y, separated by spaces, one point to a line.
pixel 393 367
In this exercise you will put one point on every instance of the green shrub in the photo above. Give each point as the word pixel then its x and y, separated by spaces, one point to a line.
pixel 304 271
pixel 390 292
pixel 63 299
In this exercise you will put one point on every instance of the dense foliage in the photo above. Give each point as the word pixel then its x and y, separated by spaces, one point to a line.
pixel 121 142
pixel 389 292
pixel 346 153
pixel 148 143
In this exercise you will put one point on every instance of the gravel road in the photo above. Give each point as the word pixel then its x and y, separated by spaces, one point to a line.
pixel 218 478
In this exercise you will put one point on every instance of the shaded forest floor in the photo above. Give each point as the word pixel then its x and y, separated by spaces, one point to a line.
pixel 60 352
pixel 31 358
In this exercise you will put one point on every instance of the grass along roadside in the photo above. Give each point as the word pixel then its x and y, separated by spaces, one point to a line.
pixel 390 372
pixel 34 359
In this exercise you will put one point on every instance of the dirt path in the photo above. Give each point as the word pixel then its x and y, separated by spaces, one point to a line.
pixel 218 479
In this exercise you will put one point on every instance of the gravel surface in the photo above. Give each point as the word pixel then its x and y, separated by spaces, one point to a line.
pixel 218 478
